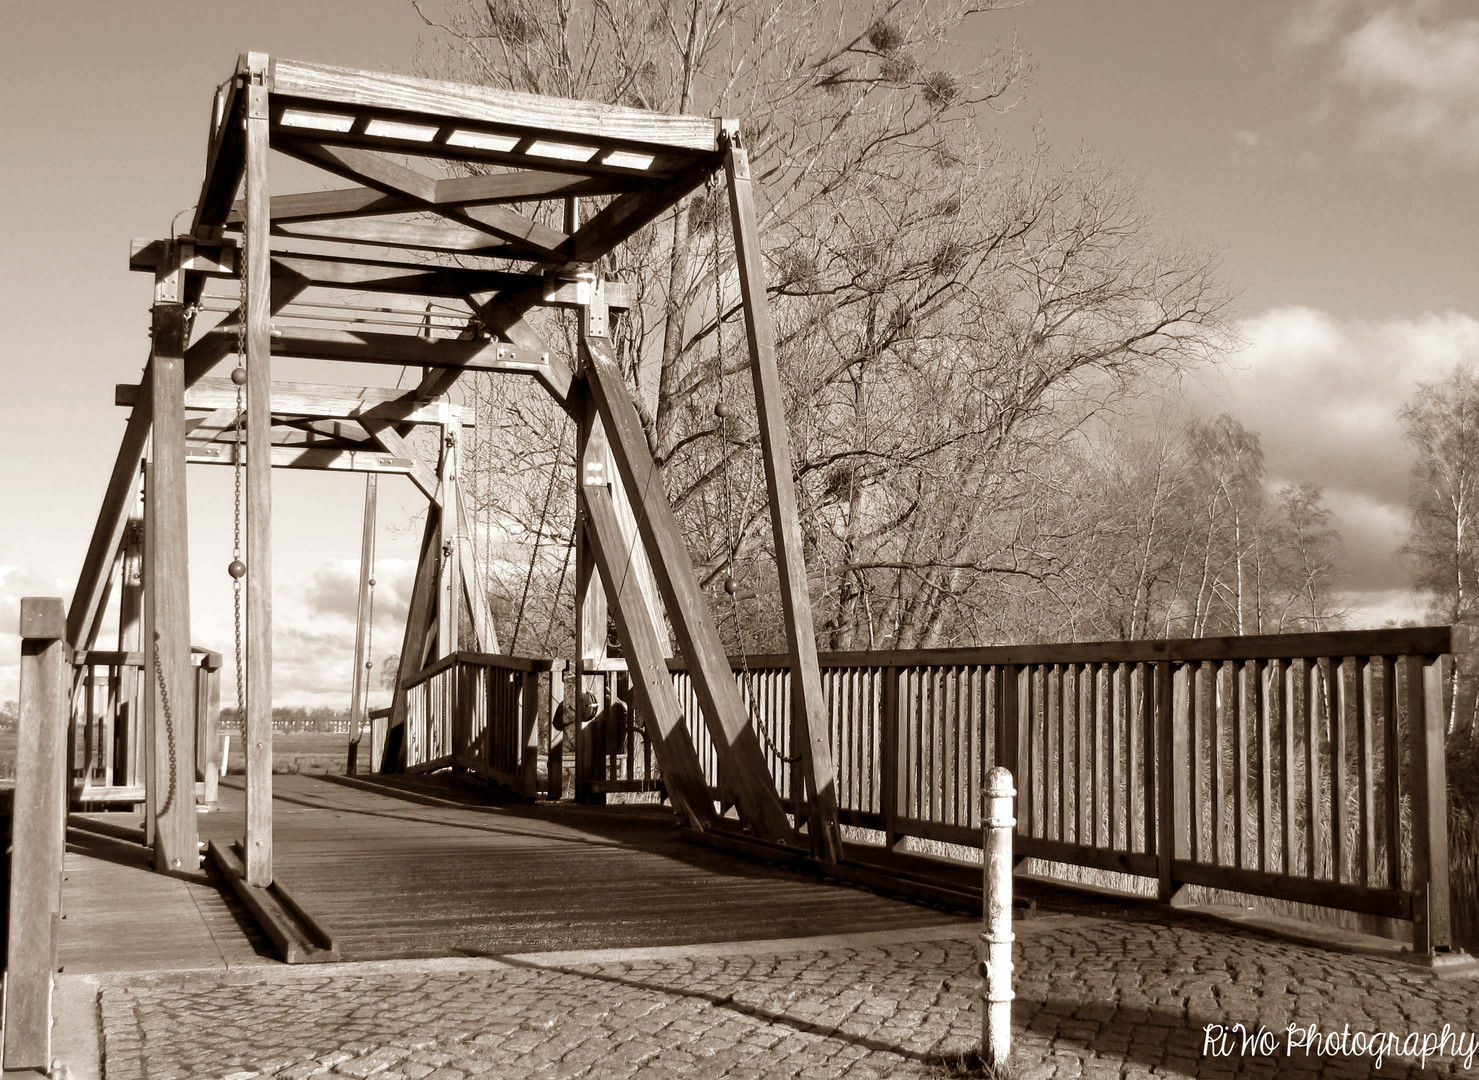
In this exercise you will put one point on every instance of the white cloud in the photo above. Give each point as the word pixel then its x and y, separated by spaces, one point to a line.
pixel 1248 139
pixel 1323 394
pixel 1409 65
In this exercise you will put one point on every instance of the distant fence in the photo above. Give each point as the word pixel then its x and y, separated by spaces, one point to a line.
pixel 1308 767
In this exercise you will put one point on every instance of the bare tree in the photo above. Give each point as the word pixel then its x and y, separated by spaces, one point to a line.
pixel 946 310
pixel 1441 422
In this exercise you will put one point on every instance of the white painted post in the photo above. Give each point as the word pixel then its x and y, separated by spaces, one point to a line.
pixel 996 967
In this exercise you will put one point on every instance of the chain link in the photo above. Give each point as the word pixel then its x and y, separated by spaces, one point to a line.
pixel 236 550
pixel 169 731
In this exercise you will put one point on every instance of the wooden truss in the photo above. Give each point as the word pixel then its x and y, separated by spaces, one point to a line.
pixel 405 268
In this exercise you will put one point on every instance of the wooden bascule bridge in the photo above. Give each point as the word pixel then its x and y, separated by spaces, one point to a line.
pixel 1302 767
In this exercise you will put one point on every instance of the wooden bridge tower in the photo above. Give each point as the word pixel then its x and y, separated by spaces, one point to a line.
pixel 470 244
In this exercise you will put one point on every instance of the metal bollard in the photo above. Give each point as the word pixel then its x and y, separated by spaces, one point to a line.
pixel 996 909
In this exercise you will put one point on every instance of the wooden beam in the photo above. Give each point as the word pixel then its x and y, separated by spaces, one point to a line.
pixel 122 490
pixel 225 153
pixel 486 107
pixel 418 614
pixel 525 234
pixel 215 260
pixel 724 709
pixel 360 687
pixel 666 727
pixel 502 315
pixel 482 619
pixel 365 347
pixel 257 732
pixel 321 459
pixel 592 614
pixel 510 187
pixel 387 232
pixel 214 346
pixel 421 474
pixel 318 400
pixel 128 767
pixel 436 276
pixel 168 677
pixel 38 836
pixel 808 702
pixel 623 217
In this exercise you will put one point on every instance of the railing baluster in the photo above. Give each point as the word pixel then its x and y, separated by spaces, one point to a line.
pixel 1117 695
pixel 1309 702
pixel 1339 704
pixel 1365 778
pixel 1392 772
pixel 1262 853
pixel 1146 726
pixel 1427 720
pixel 1236 704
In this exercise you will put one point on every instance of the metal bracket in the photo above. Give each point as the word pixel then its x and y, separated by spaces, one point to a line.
pixel 585 279
pixel 594 474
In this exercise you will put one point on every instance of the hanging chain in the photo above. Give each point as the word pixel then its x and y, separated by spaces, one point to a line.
pixel 169 731
pixel 236 551
pixel 732 540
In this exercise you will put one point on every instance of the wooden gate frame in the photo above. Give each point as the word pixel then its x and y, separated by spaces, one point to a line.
pixel 346 123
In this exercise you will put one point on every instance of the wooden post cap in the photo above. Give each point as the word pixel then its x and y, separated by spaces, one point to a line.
pixel 43 617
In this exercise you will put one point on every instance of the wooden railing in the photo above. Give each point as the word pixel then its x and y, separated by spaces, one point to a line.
pixel 1307 767
pixel 480 712
pixel 105 739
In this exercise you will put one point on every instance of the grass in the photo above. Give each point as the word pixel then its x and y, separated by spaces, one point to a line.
pixel 969 1066
pixel 310 752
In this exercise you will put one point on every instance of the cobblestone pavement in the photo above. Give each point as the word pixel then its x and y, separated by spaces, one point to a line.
pixel 1097 997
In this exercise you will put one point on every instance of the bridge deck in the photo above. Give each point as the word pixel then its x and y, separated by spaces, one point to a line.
pixel 390 877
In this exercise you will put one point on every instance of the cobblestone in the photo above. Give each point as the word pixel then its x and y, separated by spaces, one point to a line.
pixel 1097 997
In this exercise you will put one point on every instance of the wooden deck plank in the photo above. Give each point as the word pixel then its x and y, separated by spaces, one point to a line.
pixel 389 877
pixel 452 875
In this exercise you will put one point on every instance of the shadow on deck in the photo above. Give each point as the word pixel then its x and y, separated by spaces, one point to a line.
pixel 389 876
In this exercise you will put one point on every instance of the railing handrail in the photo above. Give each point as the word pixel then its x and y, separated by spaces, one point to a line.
pixel 201 656
pixel 1425 641
pixel 508 663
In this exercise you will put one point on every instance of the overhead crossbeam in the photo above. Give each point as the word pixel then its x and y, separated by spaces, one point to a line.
pixel 323 401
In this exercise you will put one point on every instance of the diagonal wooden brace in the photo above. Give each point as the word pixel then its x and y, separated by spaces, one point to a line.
pixel 740 756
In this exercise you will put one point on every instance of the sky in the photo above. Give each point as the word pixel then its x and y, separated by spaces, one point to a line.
pixel 1325 149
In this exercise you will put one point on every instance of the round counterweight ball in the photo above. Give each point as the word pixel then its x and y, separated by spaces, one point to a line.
pixel 723 411
pixel 731 586
pixel 238 376
pixel 237 569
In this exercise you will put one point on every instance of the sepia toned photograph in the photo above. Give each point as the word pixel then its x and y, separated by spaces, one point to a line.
pixel 747 539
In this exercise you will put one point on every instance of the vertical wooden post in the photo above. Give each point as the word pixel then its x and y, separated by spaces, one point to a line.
pixel 147 696
pixel 591 612
pixel 167 671
pixel 449 580
pixel 210 758
pixel 257 730
pixel 1426 724
pixel 1010 747
pixel 1172 740
pixel 360 689
pixel 808 703
pixel 554 737
pixel 38 834
pixel 128 770
pixel 529 729
pixel 891 773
